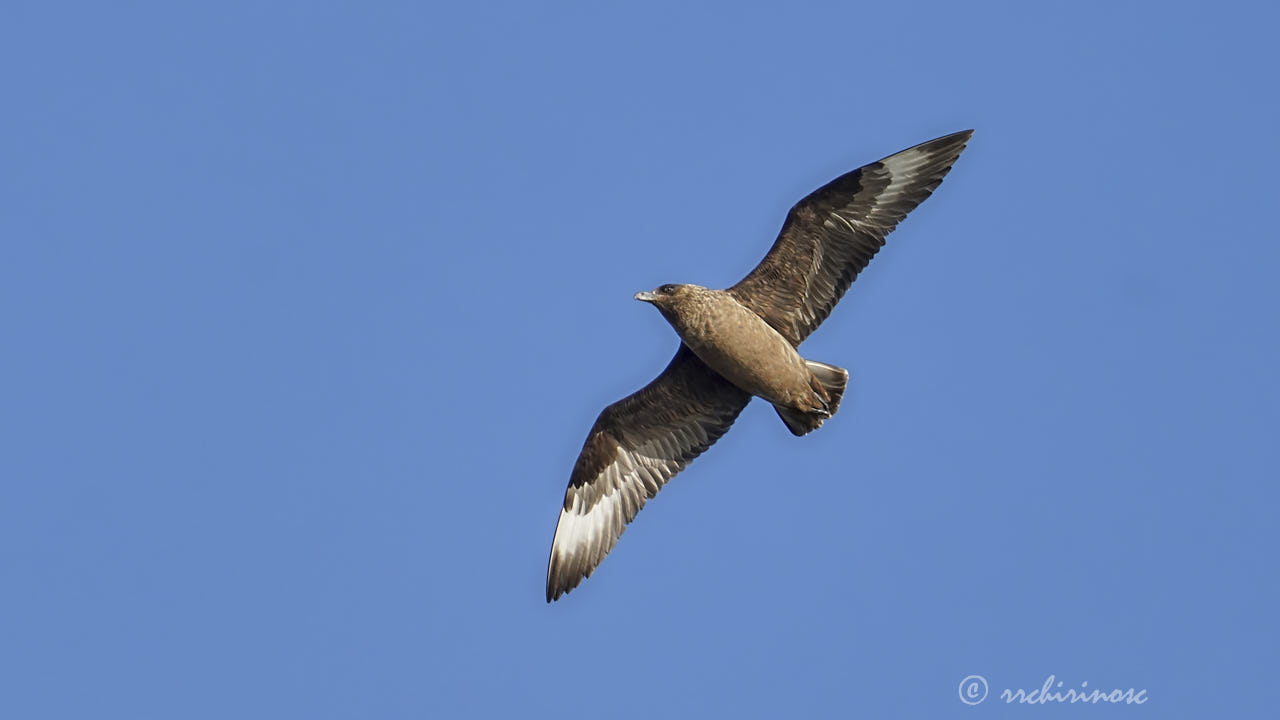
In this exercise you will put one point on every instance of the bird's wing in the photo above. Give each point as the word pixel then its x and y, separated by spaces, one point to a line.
pixel 635 447
pixel 831 235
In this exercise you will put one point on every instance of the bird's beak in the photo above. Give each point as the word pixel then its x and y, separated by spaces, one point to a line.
pixel 646 297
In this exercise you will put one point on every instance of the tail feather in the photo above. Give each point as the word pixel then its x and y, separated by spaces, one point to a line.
pixel 830 381
pixel 798 422
pixel 833 379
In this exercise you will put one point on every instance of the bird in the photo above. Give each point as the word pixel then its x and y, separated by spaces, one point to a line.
pixel 738 343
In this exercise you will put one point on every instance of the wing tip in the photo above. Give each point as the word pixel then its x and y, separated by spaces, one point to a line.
pixel 554 591
pixel 570 564
pixel 561 581
pixel 949 145
pixel 927 163
pixel 961 135
pixel 559 577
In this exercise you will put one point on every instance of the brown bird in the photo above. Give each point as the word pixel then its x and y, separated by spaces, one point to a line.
pixel 737 344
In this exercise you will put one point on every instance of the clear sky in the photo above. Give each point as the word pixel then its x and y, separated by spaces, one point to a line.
pixel 306 310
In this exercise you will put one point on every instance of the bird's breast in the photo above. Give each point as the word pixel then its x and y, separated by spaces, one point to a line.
pixel 746 350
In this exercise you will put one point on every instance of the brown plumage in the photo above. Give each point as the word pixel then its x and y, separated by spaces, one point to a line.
pixel 737 344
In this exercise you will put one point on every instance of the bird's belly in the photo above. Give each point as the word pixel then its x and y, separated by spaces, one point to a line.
pixel 749 353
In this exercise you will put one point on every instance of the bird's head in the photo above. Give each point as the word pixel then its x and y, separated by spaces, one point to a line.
pixel 668 297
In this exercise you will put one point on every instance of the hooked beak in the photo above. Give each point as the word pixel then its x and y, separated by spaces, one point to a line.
pixel 646 297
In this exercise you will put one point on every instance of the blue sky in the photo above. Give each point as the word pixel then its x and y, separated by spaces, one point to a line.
pixel 307 309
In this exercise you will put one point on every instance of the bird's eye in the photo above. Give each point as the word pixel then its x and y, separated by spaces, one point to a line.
pixel 667 289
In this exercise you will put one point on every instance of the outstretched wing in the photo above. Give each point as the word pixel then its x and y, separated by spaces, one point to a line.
pixel 635 447
pixel 831 235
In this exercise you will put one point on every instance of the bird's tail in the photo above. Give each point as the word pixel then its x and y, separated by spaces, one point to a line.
pixel 829 383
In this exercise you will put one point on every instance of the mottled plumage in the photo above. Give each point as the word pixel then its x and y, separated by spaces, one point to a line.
pixel 737 344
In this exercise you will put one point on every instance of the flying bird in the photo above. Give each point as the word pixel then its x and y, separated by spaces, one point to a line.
pixel 736 344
